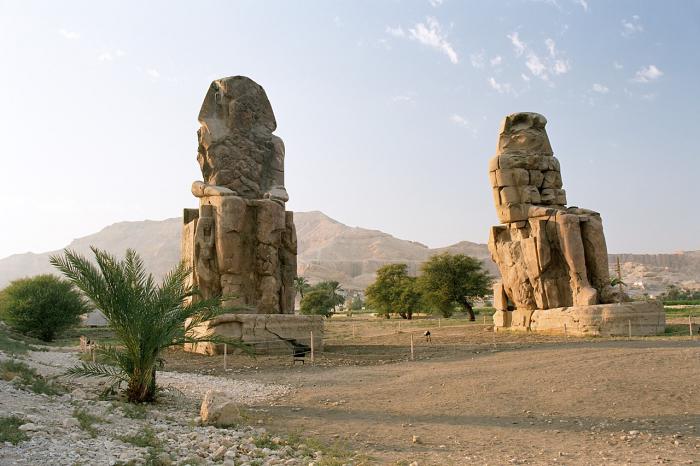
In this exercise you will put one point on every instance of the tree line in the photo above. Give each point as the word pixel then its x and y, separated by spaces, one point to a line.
pixel 447 282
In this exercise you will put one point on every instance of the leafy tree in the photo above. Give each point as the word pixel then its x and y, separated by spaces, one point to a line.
pixel 301 285
pixel 146 317
pixel 41 306
pixel 322 299
pixel 393 291
pixel 451 280
pixel 356 303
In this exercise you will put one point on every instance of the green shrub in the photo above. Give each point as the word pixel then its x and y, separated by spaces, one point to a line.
pixel 41 306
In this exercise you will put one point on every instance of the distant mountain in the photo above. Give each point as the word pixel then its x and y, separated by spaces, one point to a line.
pixel 330 250
pixel 157 241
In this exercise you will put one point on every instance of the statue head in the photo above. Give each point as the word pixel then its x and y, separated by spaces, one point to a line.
pixel 523 133
pixel 236 104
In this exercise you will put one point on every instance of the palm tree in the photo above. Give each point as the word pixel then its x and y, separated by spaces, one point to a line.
pixel 146 317
pixel 335 292
pixel 301 285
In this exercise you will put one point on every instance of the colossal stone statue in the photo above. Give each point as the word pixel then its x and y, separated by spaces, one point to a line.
pixel 241 242
pixel 549 255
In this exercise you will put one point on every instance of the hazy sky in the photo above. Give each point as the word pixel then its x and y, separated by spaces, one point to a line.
pixel 389 110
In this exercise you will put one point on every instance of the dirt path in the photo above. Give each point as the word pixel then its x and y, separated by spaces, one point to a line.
pixel 612 402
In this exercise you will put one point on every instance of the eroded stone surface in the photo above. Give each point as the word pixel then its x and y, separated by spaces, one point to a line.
pixel 621 319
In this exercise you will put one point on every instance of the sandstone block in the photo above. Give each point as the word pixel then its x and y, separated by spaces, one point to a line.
pixel 512 177
pixel 510 195
pixel 548 196
pixel 502 319
pixel 512 213
pixel 529 195
pixel 536 178
pixel 552 179
pixel 560 197
pixel 500 300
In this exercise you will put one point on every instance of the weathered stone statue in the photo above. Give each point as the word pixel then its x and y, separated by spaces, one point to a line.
pixel 549 255
pixel 241 242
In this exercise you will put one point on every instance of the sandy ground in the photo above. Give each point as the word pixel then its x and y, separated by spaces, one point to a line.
pixel 532 400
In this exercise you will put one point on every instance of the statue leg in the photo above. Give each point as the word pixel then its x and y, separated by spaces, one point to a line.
pixel 597 257
pixel 572 248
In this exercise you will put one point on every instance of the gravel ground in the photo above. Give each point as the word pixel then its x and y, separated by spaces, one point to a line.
pixel 168 432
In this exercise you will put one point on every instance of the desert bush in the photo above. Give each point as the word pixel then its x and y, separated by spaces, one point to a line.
pixel 146 317
pixel 41 306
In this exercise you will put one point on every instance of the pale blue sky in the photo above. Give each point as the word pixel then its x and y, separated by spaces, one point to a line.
pixel 389 110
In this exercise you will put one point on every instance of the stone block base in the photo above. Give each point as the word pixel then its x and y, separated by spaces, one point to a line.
pixel 644 318
pixel 266 333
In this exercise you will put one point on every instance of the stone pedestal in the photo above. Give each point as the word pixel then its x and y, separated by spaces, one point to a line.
pixel 637 318
pixel 267 334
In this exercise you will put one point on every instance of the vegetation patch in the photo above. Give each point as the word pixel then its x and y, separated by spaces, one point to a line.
pixel 145 438
pixel 27 378
pixel 11 346
pixel 87 420
pixel 9 430
pixel 131 410
pixel 265 441
pixel 336 454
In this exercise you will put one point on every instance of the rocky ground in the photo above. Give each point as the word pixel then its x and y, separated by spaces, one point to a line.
pixel 78 428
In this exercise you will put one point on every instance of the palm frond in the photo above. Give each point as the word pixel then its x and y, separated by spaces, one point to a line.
pixel 93 369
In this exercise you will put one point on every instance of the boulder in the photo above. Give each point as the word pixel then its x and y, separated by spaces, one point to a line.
pixel 220 410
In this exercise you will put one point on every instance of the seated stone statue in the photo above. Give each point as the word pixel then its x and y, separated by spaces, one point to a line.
pixel 549 255
pixel 241 242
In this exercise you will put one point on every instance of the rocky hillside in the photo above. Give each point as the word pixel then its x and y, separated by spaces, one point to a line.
pixel 330 250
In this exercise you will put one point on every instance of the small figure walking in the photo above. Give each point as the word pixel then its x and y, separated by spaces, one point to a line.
pixel 427 336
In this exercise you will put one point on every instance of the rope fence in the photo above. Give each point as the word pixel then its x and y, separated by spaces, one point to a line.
pixel 411 342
